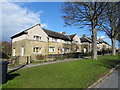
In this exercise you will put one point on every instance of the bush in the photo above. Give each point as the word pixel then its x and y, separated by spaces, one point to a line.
pixel 87 54
pixel 40 57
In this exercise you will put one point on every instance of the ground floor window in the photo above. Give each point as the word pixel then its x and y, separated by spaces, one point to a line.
pixel 36 49
pixel 77 49
pixel 51 49
pixel 67 50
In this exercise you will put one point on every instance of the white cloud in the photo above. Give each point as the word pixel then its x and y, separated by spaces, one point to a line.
pixel 44 25
pixel 102 37
pixel 107 39
pixel 16 18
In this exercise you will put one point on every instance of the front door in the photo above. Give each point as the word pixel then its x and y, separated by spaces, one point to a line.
pixel 22 51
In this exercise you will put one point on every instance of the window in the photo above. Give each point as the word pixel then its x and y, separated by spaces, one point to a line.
pixel 36 50
pixel 67 50
pixel 38 38
pixel 51 49
pixel 54 39
pixel 76 41
pixel 77 49
pixel 67 42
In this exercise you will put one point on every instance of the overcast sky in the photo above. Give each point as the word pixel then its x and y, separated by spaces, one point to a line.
pixel 19 16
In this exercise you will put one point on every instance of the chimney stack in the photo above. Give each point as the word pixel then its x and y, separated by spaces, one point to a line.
pixel 84 35
pixel 64 33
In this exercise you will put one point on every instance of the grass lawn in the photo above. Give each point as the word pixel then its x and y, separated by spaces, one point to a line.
pixel 72 74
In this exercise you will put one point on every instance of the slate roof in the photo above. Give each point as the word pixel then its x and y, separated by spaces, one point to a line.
pixel 23 32
pixel 56 35
pixel 49 33
pixel 19 34
pixel 85 40
pixel 101 41
pixel 71 36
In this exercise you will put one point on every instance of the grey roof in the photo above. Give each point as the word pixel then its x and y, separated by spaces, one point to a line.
pixel 57 35
pixel 85 40
pixel 23 32
pixel 49 33
pixel 71 36
pixel 102 41
pixel 19 34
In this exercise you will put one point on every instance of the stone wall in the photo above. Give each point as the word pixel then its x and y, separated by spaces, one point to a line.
pixel 29 44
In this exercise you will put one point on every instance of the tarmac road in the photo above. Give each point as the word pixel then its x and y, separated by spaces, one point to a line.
pixel 111 81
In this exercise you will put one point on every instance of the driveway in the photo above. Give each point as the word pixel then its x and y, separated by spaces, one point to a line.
pixel 110 81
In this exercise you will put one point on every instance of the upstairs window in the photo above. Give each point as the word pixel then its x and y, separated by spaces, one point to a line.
pixel 67 42
pixel 76 41
pixel 38 38
pixel 54 39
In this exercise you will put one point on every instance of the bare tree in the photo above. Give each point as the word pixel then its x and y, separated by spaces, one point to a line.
pixel 110 25
pixel 81 14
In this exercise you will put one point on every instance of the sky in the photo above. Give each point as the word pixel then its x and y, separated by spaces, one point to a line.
pixel 19 16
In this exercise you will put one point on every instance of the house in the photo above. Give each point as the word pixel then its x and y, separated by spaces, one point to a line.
pixel 37 40
pixel 103 45
pixel 86 44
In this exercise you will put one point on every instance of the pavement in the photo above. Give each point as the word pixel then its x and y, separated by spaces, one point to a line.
pixel 110 81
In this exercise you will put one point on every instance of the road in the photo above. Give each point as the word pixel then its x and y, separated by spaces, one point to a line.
pixel 110 81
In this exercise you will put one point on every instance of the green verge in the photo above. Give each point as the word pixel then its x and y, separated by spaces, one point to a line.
pixel 72 74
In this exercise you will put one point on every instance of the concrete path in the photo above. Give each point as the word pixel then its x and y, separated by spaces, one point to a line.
pixel 58 61
pixel 110 81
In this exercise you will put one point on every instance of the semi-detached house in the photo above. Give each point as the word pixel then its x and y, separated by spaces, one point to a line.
pixel 37 40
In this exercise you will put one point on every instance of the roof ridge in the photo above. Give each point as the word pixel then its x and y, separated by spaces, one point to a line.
pixel 55 32
pixel 24 30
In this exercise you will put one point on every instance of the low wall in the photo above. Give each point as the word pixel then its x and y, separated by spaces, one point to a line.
pixel 19 60
pixel 27 59
pixel 60 56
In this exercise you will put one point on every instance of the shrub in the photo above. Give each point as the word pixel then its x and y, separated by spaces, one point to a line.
pixel 40 57
pixel 87 54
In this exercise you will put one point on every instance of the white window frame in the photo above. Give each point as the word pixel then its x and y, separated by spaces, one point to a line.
pixel 35 38
pixel 51 49
pixel 54 39
pixel 67 50
pixel 77 50
pixel 35 50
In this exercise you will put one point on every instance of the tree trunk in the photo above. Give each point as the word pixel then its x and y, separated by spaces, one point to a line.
pixel 94 44
pixel 113 46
